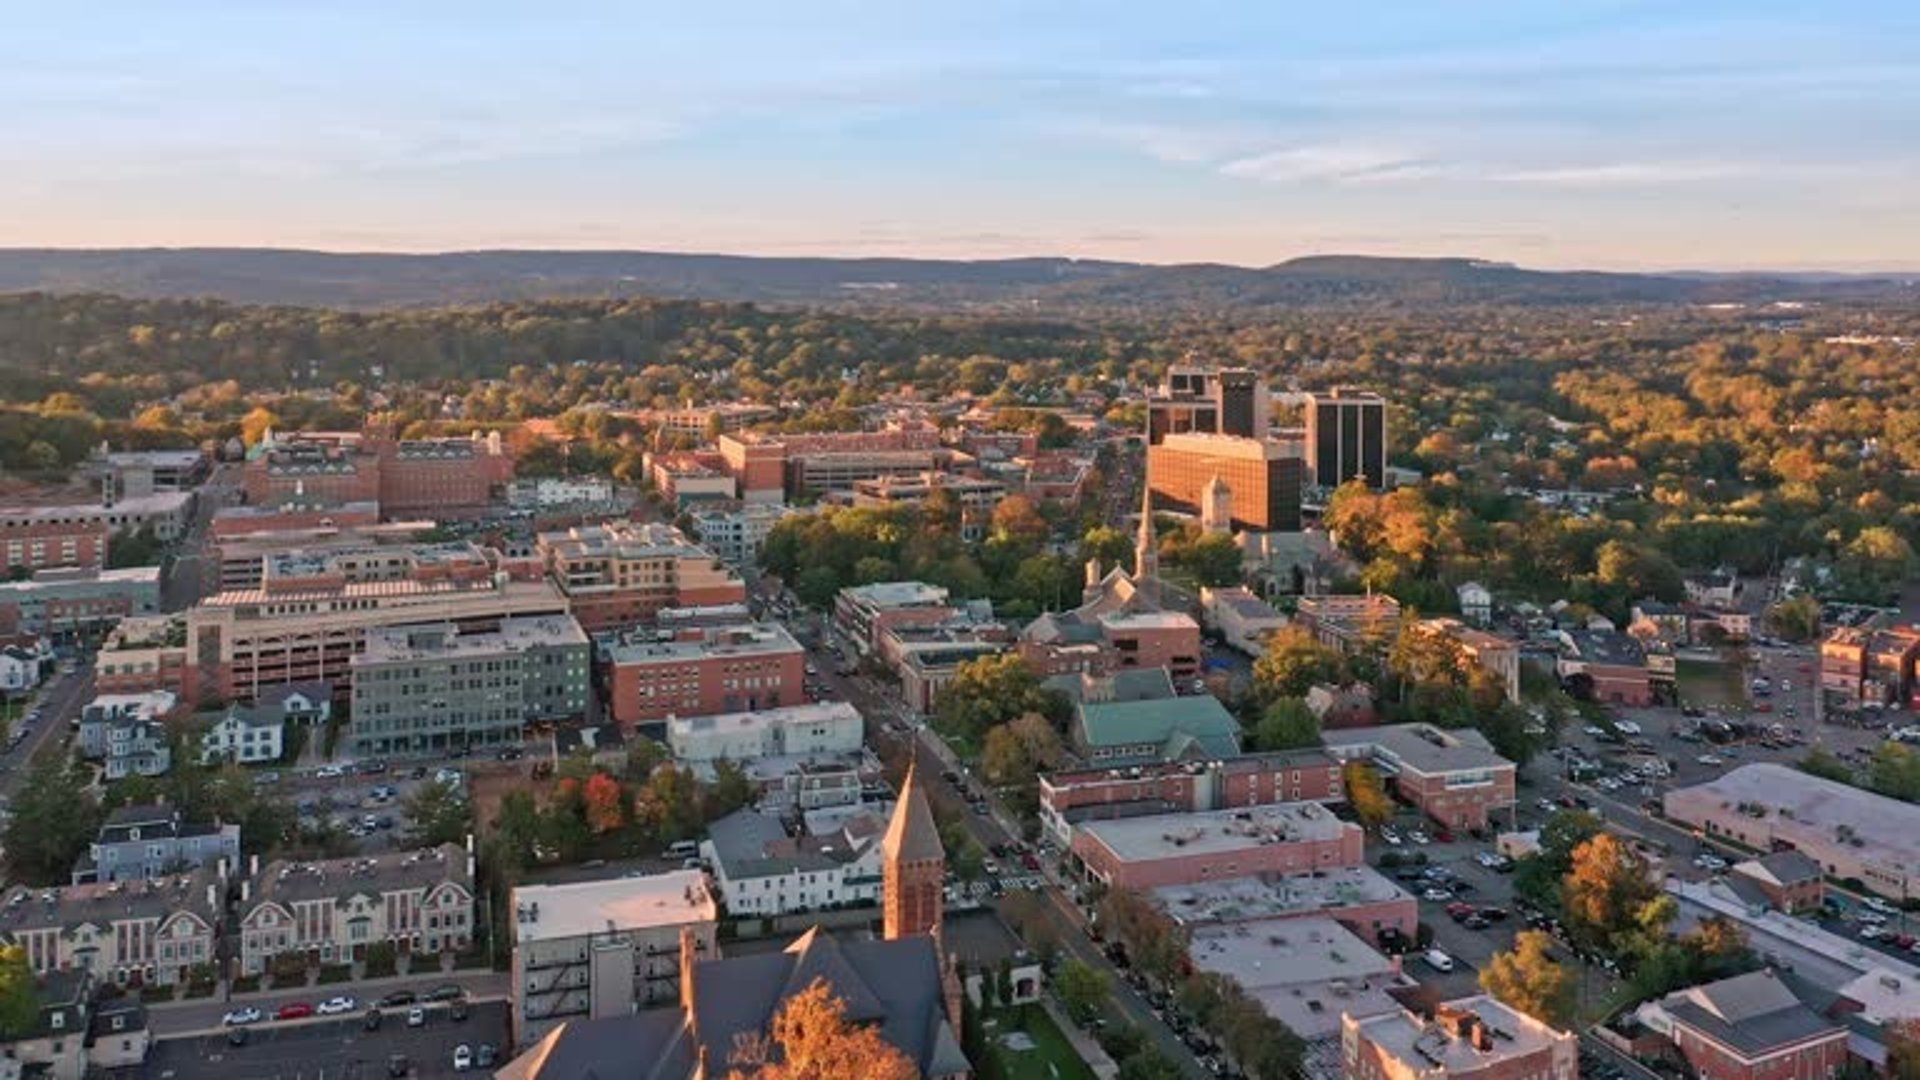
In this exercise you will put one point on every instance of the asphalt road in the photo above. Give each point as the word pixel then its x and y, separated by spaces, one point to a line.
pixel 194 571
pixel 203 1016
pixel 331 1049
pixel 59 704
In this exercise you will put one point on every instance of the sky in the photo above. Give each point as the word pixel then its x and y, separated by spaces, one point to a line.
pixel 1551 133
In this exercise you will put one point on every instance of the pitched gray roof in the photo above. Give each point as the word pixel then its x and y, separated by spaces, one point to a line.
pixel 651 1044
pixel 1753 1014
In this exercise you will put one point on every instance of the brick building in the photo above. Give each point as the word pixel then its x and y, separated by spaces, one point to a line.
pixel 1350 621
pixel 46 543
pixel 768 467
pixel 1184 849
pixel 430 477
pixel 1071 796
pixel 141 653
pixel 863 613
pixel 1263 477
pixel 329 912
pixel 1610 666
pixel 1454 777
pixel 1749 1027
pixel 310 615
pixel 62 603
pixel 1786 880
pixel 706 672
pixel 622 573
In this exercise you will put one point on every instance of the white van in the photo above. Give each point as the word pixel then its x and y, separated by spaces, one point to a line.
pixel 681 849
pixel 1438 961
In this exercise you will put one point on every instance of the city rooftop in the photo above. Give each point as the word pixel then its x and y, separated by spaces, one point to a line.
pixel 545 912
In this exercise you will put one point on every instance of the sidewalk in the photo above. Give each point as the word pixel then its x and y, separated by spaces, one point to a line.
pixel 1085 1045
pixel 356 987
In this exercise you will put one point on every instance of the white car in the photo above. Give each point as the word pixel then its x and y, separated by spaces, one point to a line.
pixel 248 1015
pixel 1710 759
pixel 1595 730
pixel 1419 837
pixel 1390 836
pixel 1436 895
pixel 462 1058
pixel 334 1006
pixel 416 1017
pixel 329 772
pixel 1627 727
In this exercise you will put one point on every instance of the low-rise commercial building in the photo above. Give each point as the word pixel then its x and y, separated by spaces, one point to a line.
pixel 622 573
pixel 420 902
pixel 768 467
pixel 736 531
pixel 1849 832
pixel 67 603
pixel 1306 973
pixel 550 492
pixel 1475 1038
pixel 1359 898
pixel 1069 797
pixel 861 613
pixel 167 513
pixel 133 473
pixel 708 672
pixel 927 658
pixel 145 932
pixel 1496 655
pixel 1181 849
pixel 1606 665
pixel 432 687
pixel 1787 881
pixel 1350 622
pixel 1122 734
pixel 138 843
pixel 976 498
pixel 594 949
pixel 33 543
pixel 1453 776
pixel 833 727
pixel 141 653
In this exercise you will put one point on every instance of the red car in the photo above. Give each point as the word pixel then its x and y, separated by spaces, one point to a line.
pixel 1445 836
pixel 1459 910
pixel 294 1010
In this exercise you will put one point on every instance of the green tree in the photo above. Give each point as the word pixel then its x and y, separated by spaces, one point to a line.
pixel 1895 772
pixel 1287 725
pixel 1820 762
pixel 54 819
pixel 1529 979
pixel 1081 989
pixel 994 690
pixel 731 789
pixel 1214 560
pixel 1796 618
pixel 438 814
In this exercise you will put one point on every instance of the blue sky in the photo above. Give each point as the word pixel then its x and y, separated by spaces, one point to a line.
pixel 1548 132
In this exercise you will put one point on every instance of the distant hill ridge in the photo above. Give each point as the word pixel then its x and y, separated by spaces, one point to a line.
pixel 361 280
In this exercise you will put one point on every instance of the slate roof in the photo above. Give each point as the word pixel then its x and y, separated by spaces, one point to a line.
pixel 1789 867
pixel 1753 1014
pixel 894 985
pixel 912 835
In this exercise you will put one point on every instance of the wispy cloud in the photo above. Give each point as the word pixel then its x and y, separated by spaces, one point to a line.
pixel 1623 174
pixel 1336 162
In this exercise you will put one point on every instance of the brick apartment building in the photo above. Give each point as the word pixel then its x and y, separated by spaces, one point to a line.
pixel 707 672
pixel 1184 849
pixel 431 477
pixel 768 467
pixel 1454 777
pixel 863 613
pixel 622 573
pixel 1870 666
pixel 1076 795
pixel 43 543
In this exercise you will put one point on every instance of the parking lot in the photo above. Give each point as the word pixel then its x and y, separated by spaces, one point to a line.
pixel 330 1049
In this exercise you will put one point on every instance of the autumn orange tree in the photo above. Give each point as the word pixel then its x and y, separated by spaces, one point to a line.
pixel 812 1039
pixel 1606 890
pixel 1367 794
pixel 1529 979
pixel 605 803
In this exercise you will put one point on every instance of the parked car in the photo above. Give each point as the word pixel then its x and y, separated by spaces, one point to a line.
pixel 373 1020
pixel 334 1006
pixel 484 1055
pixel 1437 895
pixel 416 1017
pixel 247 1015
pixel 294 1010
pixel 462 1058
pixel 398 998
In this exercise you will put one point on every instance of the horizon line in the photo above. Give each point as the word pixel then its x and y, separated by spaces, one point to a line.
pixel 1636 269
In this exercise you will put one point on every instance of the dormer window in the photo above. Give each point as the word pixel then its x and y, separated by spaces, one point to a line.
pixel 57 1021
pixel 133 833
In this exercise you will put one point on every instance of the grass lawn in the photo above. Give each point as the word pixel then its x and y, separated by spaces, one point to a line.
pixel 1052 1057
pixel 1707 684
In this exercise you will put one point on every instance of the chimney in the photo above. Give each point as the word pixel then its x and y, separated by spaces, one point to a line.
pixel 253 866
pixel 213 897
pixel 689 956
pixel 1482 1038
pixel 246 891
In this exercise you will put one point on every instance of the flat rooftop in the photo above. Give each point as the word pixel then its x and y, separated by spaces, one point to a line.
pixel 1216 832
pixel 1420 748
pixel 159 459
pixel 1150 620
pixel 73 578
pixel 436 641
pixel 1304 972
pixel 675 898
pixel 897 594
pixel 755 639
pixel 160 502
pixel 1239 899
pixel 820 712
pixel 1808 810
pixel 1440 1052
